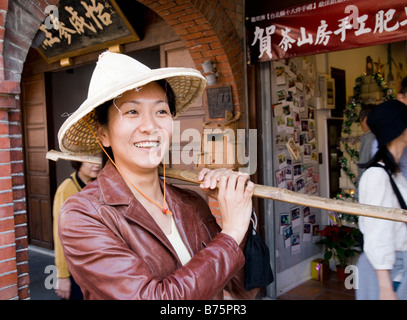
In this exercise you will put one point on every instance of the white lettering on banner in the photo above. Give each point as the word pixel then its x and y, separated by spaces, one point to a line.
pixel 323 35
pixel 287 41
pixel 384 22
pixel 265 42
pixel 343 26
pixel 304 37
pixel 362 25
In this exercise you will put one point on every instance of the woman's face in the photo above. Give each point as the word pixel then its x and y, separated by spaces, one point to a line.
pixel 139 127
pixel 89 171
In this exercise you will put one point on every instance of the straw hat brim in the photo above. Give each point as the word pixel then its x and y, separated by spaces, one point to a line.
pixel 75 137
pixel 57 155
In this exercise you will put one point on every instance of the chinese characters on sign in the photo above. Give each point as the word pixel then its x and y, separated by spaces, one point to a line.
pixel 96 15
pixel 76 27
pixel 325 26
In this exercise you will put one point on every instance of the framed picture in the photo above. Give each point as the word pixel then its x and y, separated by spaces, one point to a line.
pixel 81 27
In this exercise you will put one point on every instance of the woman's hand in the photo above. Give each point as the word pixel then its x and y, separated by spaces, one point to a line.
pixel 63 288
pixel 234 195
pixel 210 179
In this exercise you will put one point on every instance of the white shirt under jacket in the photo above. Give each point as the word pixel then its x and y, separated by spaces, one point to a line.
pixel 382 237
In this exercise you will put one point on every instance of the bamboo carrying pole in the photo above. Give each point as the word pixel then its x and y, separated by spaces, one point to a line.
pixel 284 195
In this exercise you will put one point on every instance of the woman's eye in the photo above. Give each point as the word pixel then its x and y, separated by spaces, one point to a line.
pixel 132 112
pixel 163 112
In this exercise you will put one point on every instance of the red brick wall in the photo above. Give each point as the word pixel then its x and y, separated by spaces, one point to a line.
pixel 210 31
pixel 17 29
pixel 13 219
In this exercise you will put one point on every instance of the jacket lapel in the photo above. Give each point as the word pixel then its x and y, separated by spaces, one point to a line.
pixel 116 192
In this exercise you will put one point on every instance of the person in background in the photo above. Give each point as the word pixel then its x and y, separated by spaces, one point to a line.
pixel 402 97
pixel 85 172
pixel 365 151
pixel 402 94
pixel 382 267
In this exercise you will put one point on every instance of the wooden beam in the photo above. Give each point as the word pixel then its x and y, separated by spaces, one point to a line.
pixel 284 195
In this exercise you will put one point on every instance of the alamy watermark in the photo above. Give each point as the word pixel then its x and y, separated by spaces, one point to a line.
pixel 214 147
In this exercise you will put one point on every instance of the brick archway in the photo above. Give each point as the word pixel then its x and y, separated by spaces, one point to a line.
pixel 208 33
pixel 208 29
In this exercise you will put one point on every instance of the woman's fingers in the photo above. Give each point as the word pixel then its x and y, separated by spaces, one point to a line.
pixel 210 178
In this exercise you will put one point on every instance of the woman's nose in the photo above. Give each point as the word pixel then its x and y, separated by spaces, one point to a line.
pixel 147 123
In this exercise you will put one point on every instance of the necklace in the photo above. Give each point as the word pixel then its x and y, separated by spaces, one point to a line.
pixel 164 208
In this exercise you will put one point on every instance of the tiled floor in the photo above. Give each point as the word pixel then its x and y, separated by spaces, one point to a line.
pixel 331 289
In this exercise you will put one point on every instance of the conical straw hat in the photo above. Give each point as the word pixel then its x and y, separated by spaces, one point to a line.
pixel 115 74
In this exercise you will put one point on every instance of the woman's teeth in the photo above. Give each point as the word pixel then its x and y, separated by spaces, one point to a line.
pixel 147 144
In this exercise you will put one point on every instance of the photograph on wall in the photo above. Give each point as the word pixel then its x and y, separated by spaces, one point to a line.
pixel 280 178
pixel 280 72
pixel 316 235
pixel 295 243
pixel 299 184
pixel 287 233
pixel 284 221
pixel 307 232
pixel 295 217
pixel 278 109
pixel 282 161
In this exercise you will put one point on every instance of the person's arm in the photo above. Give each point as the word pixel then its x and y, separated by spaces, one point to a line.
pixel 236 212
pixel 379 243
pixel 63 288
pixel 385 285
pixel 104 265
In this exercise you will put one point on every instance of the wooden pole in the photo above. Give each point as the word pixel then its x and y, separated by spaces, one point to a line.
pixel 284 195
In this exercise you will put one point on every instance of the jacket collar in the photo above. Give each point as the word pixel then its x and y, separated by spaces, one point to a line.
pixel 116 192
pixel 113 187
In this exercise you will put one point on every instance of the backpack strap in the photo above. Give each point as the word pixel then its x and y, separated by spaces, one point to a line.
pixel 394 186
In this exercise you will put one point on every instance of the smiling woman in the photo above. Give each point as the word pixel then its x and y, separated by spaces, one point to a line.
pixel 129 235
pixel 143 120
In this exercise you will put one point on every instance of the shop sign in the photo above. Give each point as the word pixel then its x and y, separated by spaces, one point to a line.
pixel 77 27
pixel 322 26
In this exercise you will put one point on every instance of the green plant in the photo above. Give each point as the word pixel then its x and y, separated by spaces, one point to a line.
pixel 339 242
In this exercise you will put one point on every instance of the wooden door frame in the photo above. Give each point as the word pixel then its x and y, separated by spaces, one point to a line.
pixel 45 221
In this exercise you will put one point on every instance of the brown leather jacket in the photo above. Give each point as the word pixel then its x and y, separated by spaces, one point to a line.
pixel 115 250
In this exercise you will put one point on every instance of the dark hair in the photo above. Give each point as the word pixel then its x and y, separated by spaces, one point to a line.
pixel 101 113
pixel 365 110
pixel 384 155
pixel 101 117
pixel 403 87
pixel 172 101
pixel 76 165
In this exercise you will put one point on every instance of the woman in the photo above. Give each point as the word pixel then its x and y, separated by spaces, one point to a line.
pixel 85 172
pixel 382 267
pixel 129 235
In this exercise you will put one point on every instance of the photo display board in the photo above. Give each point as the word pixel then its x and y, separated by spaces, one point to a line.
pixel 295 158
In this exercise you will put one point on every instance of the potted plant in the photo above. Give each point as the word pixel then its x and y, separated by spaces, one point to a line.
pixel 341 243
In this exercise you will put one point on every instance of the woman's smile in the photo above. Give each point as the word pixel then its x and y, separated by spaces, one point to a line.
pixel 147 144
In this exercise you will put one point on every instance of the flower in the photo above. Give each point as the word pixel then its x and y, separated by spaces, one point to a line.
pixel 339 242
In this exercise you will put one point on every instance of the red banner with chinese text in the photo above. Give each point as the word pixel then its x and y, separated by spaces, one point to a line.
pixel 322 26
